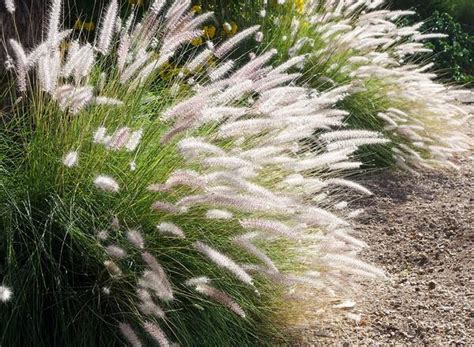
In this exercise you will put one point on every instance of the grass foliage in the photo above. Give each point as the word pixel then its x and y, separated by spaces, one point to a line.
pixel 68 200
pixel 210 204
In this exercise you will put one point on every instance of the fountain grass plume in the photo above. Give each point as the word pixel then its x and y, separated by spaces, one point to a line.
pixel 393 88
pixel 121 185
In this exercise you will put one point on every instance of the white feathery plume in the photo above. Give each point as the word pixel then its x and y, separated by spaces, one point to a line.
pixel 106 183
pixel 158 188
pixel 115 223
pixel 274 81
pixel 341 234
pixel 199 60
pixel 192 145
pixel 318 216
pixel 113 268
pixel 53 20
pixel 321 160
pixel 103 100
pixel 85 62
pixel 149 69
pixel 218 214
pixel 103 235
pixel 295 61
pixel 345 165
pixel 223 261
pixel 173 43
pixel 220 297
pixel 71 97
pixel 134 140
pixel 123 51
pixel 5 294
pixel 139 61
pixel 157 6
pixel 148 306
pixel 72 58
pixel 193 282
pixel 349 184
pixel 119 138
pixel 170 229
pixel 221 70
pixel 235 92
pixel 115 251
pixel 21 68
pixel 242 202
pixel 348 134
pixel 347 263
pixel 162 281
pixel 334 146
pixel 165 207
pixel 226 162
pixel 99 135
pixel 128 332
pixel 197 21
pixel 245 242
pixel 176 12
pixel 48 71
pixel 215 114
pixel 254 65
pixel 156 333
pixel 269 226
pixel 187 178
pixel 10 6
pixel 231 43
pixel 70 160
pixel 245 127
pixel 153 281
pixel 107 28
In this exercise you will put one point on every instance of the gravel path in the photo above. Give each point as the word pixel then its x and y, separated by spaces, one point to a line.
pixel 421 231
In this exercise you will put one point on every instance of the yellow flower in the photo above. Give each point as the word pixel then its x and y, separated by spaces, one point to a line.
pixel 196 9
pixel 209 31
pixel 169 71
pixel 234 27
pixel 197 41
pixel 136 2
pixel 300 5
pixel 87 26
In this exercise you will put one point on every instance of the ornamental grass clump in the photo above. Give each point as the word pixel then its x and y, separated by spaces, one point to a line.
pixel 392 88
pixel 151 210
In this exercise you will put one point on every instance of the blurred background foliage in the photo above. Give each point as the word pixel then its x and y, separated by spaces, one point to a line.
pixel 453 55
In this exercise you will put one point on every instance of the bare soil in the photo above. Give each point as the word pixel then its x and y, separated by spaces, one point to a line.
pixel 420 229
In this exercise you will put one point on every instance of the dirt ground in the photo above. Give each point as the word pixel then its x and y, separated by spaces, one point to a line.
pixel 421 231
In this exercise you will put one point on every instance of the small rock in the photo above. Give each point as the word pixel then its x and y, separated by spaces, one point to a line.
pixel 348 304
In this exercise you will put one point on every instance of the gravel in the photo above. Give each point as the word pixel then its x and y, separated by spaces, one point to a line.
pixel 420 229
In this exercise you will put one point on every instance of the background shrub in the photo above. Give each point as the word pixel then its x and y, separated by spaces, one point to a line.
pixel 454 55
